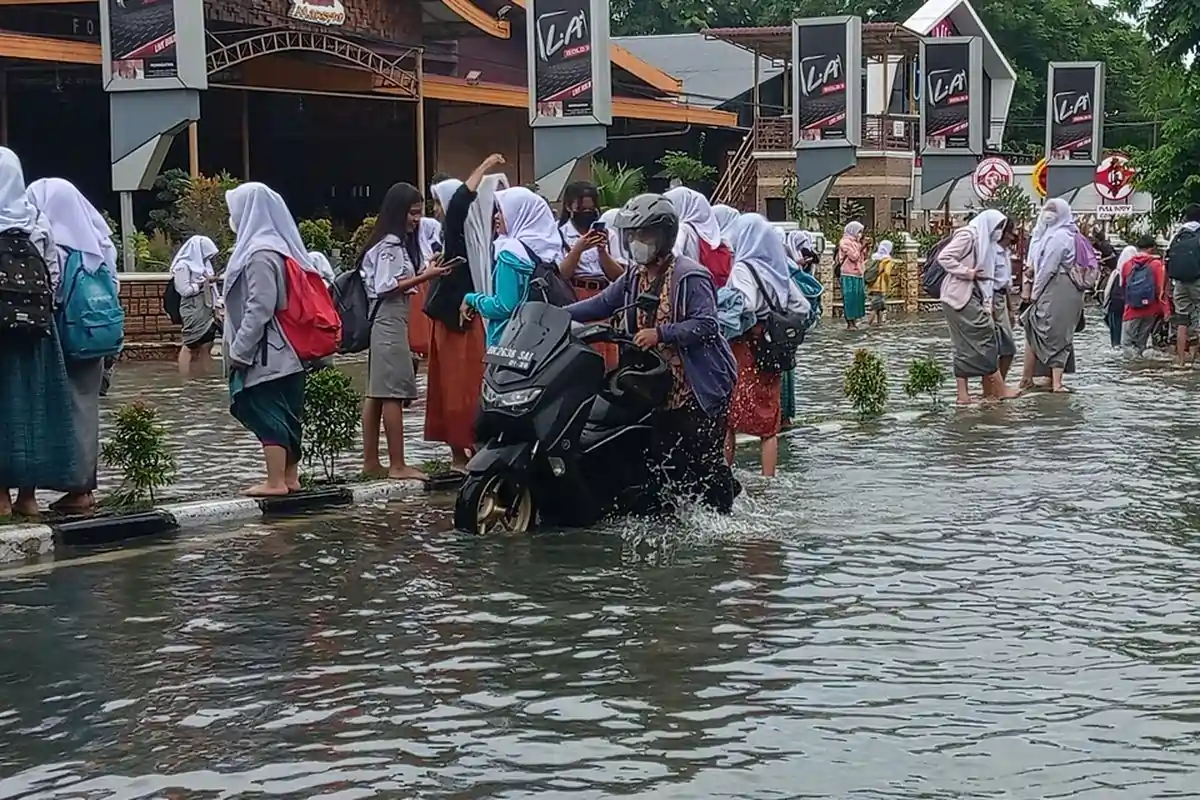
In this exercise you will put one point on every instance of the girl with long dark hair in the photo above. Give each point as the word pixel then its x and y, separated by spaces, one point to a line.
pixel 389 267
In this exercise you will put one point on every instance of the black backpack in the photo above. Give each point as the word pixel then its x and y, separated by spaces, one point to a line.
pixel 354 310
pixel 171 301
pixel 549 282
pixel 933 273
pixel 1183 257
pixel 26 295
pixel 782 333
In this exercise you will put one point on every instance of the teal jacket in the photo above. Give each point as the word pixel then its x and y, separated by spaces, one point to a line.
pixel 510 283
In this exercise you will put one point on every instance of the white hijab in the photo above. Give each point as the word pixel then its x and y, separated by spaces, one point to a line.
pixel 693 209
pixel 1126 256
pixel 727 217
pixel 759 246
pixel 261 221
pixel 853 228
pixel 195 256
pixel 443 191
pixel 429 233
pixel 984 225
pixel 883 250
pixel 478 228
pixel 323 266
pixel 616 242
pixel 1051 236
pixel 795 242
pixel 75 223
pixel 528 222
pixel 15 209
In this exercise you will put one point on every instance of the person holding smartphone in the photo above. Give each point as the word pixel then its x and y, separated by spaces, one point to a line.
pixel 587 262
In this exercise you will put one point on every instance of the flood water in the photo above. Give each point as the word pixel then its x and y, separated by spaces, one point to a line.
pixel 996 603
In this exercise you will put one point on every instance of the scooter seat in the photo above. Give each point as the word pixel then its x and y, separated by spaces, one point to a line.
pixel 606 414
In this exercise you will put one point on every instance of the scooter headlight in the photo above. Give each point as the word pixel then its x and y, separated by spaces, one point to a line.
pixel 512 400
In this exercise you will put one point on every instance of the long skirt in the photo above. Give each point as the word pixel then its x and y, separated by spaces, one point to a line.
pixel 86 379
pixel 271 410
pixel 455 378
pixel 37 420
pixel 756 396
pixel 199 322
pixel 611 353
pixel 390 373
pixel 1050 325
pixel 787 400
pixel 1007 343
pixel 420 326
pixel 974 339
pixel 854 297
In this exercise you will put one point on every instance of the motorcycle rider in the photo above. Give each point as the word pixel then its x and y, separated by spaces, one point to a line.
pixel 683 329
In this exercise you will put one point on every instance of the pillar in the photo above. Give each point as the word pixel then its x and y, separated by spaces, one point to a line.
pixel 910 275
pixel 421 184
pixel 245 136
pixel 194 149
pixel 825 276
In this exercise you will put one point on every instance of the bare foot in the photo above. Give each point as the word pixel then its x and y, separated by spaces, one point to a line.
pixel 406 474
pixel 294 486
pixel 375 470
pixel 1011 393
pixel 964 402
pixel 72 504
pixel 266 490
pixel 1062 390
pixel 1025 385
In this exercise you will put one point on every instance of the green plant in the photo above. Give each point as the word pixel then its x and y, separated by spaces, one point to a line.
pixel 686 168
pixel 160 251
pixel 138 447
pixel 317 235
pixel 202 210
pixel 866 384
pixel 618 184
pixel 1013 202
pixel 331 418
pixel 168 188
pixel 925 377
pixel 359 240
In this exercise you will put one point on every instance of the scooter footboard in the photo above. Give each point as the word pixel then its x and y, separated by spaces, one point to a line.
pixel 508 457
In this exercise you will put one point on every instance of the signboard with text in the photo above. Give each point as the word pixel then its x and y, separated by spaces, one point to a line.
pixel 570 80
pixel 952 111
pixel 1075 113
pixel 827 82
pixel 153 44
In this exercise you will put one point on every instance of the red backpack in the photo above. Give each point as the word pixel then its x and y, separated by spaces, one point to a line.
pixel 717 260
pixel 310 322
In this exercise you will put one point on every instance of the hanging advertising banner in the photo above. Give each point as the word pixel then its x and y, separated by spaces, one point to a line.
pixel 827 68
pixel 952 110
pixel 570 71
pixel 1075 113
pixel 319 12
pixel 153 44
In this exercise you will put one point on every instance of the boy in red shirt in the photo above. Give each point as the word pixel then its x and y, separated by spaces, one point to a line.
pixel 1144 280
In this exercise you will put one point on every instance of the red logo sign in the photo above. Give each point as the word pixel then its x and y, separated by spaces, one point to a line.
pixel 990 175
pixel 1114 177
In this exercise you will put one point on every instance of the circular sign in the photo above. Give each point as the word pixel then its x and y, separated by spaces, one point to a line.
pixel 1114 177
pixel 992 173
pixel 1039 178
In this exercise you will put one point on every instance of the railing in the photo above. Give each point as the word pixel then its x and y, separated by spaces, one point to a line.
pixel 738 180
pixel 887 133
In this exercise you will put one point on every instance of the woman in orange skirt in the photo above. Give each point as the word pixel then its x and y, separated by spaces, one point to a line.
pixel 587 261
pixel 761 272
pixel 420 326
pixel 456 345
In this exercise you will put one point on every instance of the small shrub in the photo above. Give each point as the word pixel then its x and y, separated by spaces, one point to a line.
pixel 331 418
pixel 317 235
pixel 358 241
pixel 202 211
pixel 617 184
pixel 925 377
pixel 866 384
pixel 138 447
pixel 168 188
pixel 159 252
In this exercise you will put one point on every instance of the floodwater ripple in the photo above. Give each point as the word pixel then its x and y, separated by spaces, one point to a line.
pixel 987 603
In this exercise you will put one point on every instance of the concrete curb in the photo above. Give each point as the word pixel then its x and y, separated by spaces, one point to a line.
pixel 20 542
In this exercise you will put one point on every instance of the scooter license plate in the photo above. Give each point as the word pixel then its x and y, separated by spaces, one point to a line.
pixel 510 358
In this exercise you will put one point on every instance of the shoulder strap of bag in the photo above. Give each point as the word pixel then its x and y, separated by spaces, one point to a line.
pixel 763 291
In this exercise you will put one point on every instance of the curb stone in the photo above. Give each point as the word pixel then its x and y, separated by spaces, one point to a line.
pixel 20 542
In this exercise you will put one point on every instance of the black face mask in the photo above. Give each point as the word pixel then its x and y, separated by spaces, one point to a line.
pixel 585 217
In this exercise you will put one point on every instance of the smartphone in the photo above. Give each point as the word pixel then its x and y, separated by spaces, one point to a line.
pixel 436 247
pixel 598 226
pixel 454 262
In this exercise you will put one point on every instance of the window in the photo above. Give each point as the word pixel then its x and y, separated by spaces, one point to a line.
pixel 777 209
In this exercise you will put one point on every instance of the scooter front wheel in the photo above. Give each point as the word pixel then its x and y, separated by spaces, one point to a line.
pixel 492 503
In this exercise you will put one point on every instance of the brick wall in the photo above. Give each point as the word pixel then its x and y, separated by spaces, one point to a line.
pixel 391 20
pixel 878 178
pixel 149 332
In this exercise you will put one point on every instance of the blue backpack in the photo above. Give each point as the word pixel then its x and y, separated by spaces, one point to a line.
pixel 1140 290
pixel 91 322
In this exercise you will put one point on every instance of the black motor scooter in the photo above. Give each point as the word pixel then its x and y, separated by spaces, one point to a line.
pixel 563 441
